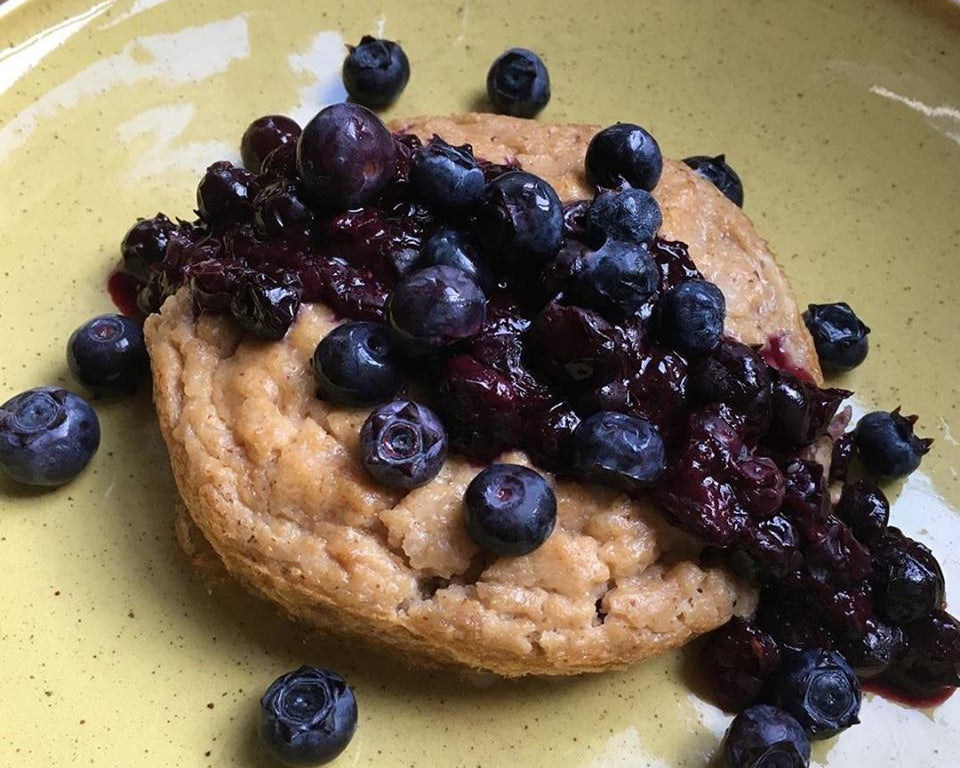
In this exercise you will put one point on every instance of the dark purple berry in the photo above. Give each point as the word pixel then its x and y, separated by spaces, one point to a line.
pixel 356 364
pixel 375 72
pixel 573 345
pixel 279 211
pixel 404 444
pixel 615 280
pixel 267 306
pixel 518 83
pixel 108 354
pixel 734 374
pixel 864 507
pixel 447 178
pixel 737 660
pixel 624 153
pixel 931 662
pixel 263 136
pixel 886 443
pixel 449 247
pixel 620 450
pixel 801 410
pixel 225 193
pixel 718 172
pixel 145 244
pixel 821 691
pixel 907 578
pixel 765 737
pixel 213 282
pixel 548 437
pixel 630 215
pixel 690 316
pixel 875 651
pixel 838 334
pixel 280 164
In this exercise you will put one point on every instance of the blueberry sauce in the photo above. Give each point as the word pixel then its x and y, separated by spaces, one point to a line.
pixel 776 356
pixel 123 291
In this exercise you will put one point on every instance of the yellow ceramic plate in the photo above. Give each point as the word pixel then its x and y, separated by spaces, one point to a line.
pixel 843 119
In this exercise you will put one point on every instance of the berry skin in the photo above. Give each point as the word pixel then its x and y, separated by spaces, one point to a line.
pixel 281 212
pixel 765 737
pixel 145 244
pixel 875 651
pixel 375 72
pixel 734 374
pixel 108 354
pixel 518 83
pixel 450 248
pixel 266 306
pixel 356 364
pixel 307 717
pixel 821 691
pixel 47 436
pixel 617 449
pixel 931 662
pixel 631 215
pixel 225 193
pixel 864 507
pixel 737 660
pixel 263 136
pixel 838 334
pixel 509 509
pixel 447 178
pixel 887 445
pixel 908 580
pixel 615 280
pixel 403 444
pixel 624 153
pixel 689 317
pixel 717 171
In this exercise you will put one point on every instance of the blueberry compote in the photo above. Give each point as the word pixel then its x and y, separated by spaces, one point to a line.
pixel 538 338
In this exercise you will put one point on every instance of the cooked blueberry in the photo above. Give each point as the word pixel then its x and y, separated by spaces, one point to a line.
pixel 864 507
pixel 345 156
pixel 403 444
pixel 108 354
pixel 307 717
pixel 226 193
pixel 446 177
pixel 574 346
pixel 145 244
pixel 617 449
pixel 548 437
pixel 436 306
pixel 931 662
pixel 450 248
pixel 624 153
pixel 518 83
pixel 375 72
pixel 47 436
pixel 279 211
pixel 615 280
pixel 821 691
pixel 263 136
pixel 887 445
pixel 356 364
pixel 575 218
pixel 765 737
pixel 802 411
pixel 509 509
pixel 734 374
pixel 717 171
pixel 908 580
pixel 280 164
pixel 875 651
pixel 213 282
pixel 631 215
pixel 689 317
pixel 267 306
pixel 738 659
pixel 838 334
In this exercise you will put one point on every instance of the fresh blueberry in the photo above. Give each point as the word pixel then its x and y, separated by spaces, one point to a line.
pixel 47 436
pixel 765 737
pixel 307 717
pixel 717 171
pixel 435 307
pixel 821 691
pixel 375 72
pixel 450 248
pixel 689 317
pixel 838 334
pixel 908 580
pixel 509 509
pixel 615 280
pixel 631 215
pixel 267 306
pixel 624 153
pixel 145 244
pixel 887 445
pixel 404 444
pixel 263 136
pixel 518 83
pixel 617 449
pixel 864 507
pixel 447 178
pixel 225 193
pixel 355 364
pixel 346 156
pixel 108 354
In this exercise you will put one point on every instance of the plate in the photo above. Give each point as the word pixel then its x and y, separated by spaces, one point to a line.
pixel 843 119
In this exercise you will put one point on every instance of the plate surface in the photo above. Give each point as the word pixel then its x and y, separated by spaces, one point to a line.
pixel 842 118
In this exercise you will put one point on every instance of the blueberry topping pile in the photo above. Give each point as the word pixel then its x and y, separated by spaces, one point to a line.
pixel 375 72
pixel 108 354
pixel 518 83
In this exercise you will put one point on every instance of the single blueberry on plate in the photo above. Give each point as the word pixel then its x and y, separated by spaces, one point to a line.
pixel 447 178
pixel 375 72
pixel 838 334
pixel 617 449
pixel 145 245
pixel 108 354
pixel 403 444
pixel 225 193
pixel 509 509
pixel 908 581
pixel 267 306
pixel 624 153
pixel 631 215
pixel 263 136
pixel 821 691
pixel 689 317
pixel 356 364
pixel 717 171
pixel 47 436
pixel 615 280
pixel 450 248
pixel 765 737
pixel 887 445
pixel 518 83
pixel 307 717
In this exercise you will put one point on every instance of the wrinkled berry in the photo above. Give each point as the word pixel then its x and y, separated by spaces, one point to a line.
pixel 737 660
pixel 875 651
pixel 266 306
pixel 734 374
pixel 615 280
pixel 375 72
pixel 447 178
pixel 908 579
pixel 279 211
pixel 931 662
pixel 404 444
pixel 518 83
pixel 864 507
pixel 108 354
pixel 145 244
pixel 226 193
pixel 689 317
pixel 630 215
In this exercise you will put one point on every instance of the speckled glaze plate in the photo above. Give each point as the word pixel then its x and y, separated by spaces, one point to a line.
pixel 843 119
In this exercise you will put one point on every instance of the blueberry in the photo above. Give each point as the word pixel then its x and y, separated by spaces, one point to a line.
pixel 435 307
pixel 717 171
pixel 838 334
pixel 267 306
pixel 279 211
pixel 908 580
pixel 404 444
pixel 864 507
pixel 617 449
pixel 375 72
pixel 47 436
pixel 887 445
pixel 624 153
pixel 145 244
pixel 821 691
pixel 518 83
pixel 875 651
pixel 765 737
pixel 931 662
pixel 225 193
pixel 447 178
pixel 689 317
pixel 734 374
pixel 737 660
pixel 307 717
pixel 509 509
pixel 615 280
pixel 108 354
pixel 520 222
pixel 263 136
pixel 355 364
pixel 449 247
pixel 345 156
pixel 213 282
pixel 631 215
